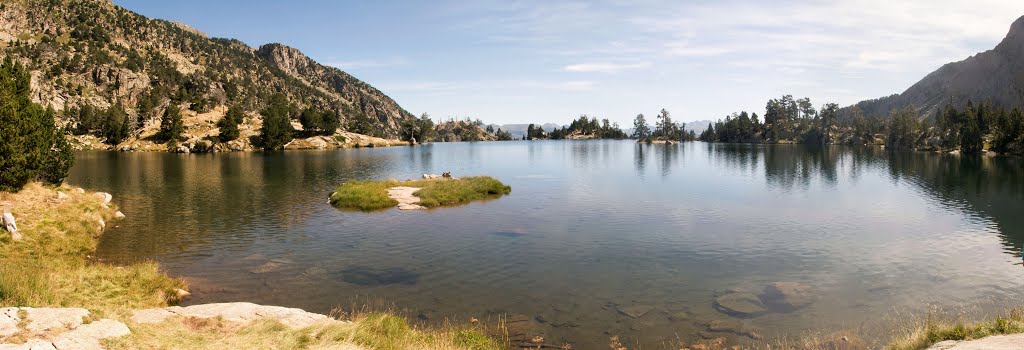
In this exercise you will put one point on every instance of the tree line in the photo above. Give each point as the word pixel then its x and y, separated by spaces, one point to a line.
pixel 664 129
pixel 970 129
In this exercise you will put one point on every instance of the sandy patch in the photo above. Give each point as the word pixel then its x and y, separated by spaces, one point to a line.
pixel 406 199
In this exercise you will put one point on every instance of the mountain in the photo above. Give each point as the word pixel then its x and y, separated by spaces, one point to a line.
pixel 698 126
pixel 94 53
pixel 519 130
pixel 995 75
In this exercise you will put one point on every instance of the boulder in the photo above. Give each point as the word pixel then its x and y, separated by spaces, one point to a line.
pixel 10 225
pixel 46 319
pixel 787 296
pixel 119 215
pixel 233 312
pixel 9 322
pixel 740 304
pixel 87 337
pixel 105 196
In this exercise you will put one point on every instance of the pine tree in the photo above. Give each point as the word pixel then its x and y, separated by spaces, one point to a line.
pixel 228 125
pixel 330 123
pixel 30 146
pixel 277 127
pixel 115 126
pixel 171 125
pixel 641 131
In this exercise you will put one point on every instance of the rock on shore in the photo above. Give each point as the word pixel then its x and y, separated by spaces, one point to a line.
pixel 996 342
pixel 68 328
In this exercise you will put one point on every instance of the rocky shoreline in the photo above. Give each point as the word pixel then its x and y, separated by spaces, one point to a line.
pixel 74 328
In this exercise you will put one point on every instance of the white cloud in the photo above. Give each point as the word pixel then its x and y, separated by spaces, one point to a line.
pixel 605 67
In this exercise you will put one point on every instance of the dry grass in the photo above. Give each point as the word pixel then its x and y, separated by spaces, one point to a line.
pixel 49 267
pixel 373 195
pixel 921 333
pixel 383 331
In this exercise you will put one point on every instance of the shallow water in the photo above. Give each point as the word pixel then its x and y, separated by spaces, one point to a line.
pixel 591 228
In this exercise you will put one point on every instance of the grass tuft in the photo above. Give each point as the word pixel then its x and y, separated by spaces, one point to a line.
pixel 373 195
pixel 934 329
pixel 49 267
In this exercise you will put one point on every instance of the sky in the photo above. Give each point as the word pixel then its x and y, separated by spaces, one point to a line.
pixel 551 61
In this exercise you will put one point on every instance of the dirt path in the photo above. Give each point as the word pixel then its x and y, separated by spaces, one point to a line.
pixel 406 199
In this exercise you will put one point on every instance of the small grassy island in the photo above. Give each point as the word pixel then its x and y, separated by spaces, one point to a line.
pixel 416 194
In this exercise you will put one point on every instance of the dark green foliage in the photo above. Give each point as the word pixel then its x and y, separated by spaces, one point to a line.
pixel 589 126
pixel 503 135
pixel 331 122
pixel 171 125
pixel 665 129
pixel 228 125
pixel 88 119
pixel 115 126
pixel 61 158
pixel 535 132
pixel 277 127
pixel 422 129
pixel 904 129
pixel 315 122
pixel 30 145
pixel 1008 130
pixel 641 131
pixel 971 141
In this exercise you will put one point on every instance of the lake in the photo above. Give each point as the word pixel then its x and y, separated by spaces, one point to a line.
pixel 592 232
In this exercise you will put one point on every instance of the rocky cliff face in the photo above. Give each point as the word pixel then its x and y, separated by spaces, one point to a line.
pixel 995 75
pixel 93 52
pixel 338 84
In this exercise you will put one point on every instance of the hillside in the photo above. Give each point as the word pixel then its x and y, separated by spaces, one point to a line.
pixel 94 55
pixel 995 75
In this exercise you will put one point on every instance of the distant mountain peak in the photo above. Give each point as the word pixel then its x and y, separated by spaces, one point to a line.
pixel 995 76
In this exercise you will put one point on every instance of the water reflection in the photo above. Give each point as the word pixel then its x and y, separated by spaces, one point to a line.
pixel 584 234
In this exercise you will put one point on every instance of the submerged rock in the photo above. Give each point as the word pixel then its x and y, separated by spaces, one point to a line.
pixel 634 311
pixel 787 296
pixel 736 327
pixel 740 304
pixel 270 266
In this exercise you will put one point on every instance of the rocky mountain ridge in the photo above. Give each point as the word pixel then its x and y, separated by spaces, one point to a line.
pixel 97 54
pixel 996 75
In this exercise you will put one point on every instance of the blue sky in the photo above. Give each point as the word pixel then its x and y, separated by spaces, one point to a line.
pixel 550 61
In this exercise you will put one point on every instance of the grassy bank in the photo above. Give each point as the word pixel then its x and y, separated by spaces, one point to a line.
pixel 373 195
pixel 936 328
pixel 371 331
pixel 50 266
